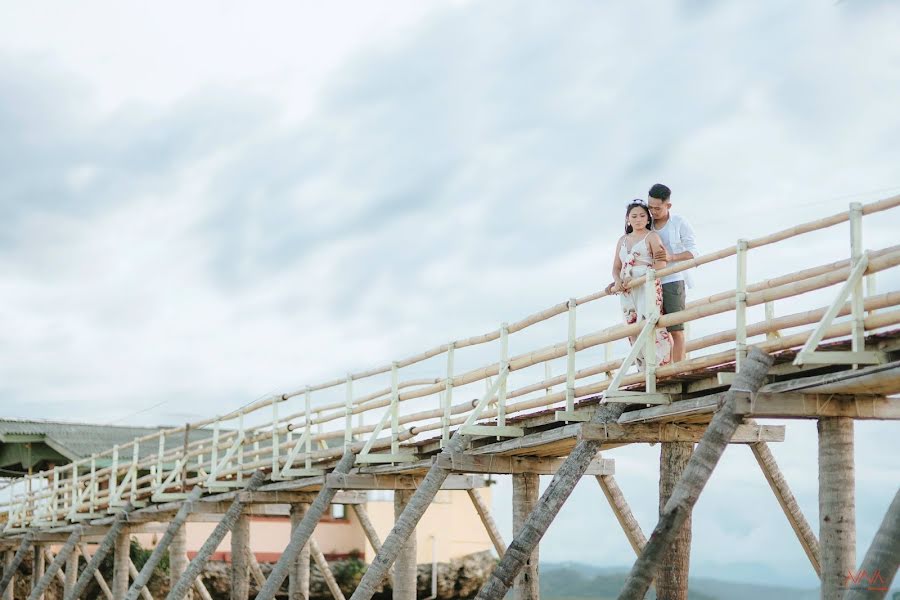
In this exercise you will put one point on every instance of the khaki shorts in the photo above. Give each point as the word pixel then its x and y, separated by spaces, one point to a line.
pixel 673 301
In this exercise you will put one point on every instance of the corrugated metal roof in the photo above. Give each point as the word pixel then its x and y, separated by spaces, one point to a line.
pixel 80 440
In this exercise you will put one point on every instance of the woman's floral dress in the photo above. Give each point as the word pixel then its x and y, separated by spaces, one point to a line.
pixel 635 263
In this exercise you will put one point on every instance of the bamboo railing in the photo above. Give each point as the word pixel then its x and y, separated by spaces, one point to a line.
pixel 303 432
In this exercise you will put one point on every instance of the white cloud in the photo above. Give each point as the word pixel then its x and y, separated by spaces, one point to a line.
pixel 205 205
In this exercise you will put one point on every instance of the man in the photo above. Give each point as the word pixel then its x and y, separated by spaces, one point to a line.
pixel 678 239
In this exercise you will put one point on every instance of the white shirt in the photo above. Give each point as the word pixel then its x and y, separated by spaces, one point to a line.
pixel 678 236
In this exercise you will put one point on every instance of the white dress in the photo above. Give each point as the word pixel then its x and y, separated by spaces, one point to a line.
pixel 635 263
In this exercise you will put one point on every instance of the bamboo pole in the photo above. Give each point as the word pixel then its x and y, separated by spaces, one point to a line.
pixel 178 559
pixel 371 534
pixel 91 569
pixel 13 566
pixel 298 578
pixel 484 513
pixel 201 589
pixel 788 503
pixel 549 505
pixel 121 557
pixel 879 567
pixel 672 571
pixel 526 487
pixel 9 588
pixel 837 507
pixel 623 513
pixel 48 556
pixel 133 572
pixel 405 563
pixel 97 575
pixel 175 526
pixel 71 572
pixel 303 532
pixel 39 560
pixel 695 476
pixel 240 558
pixel 209 546
pixel 327 575
pixel 257 573
pixel 44 582
pixel 406 524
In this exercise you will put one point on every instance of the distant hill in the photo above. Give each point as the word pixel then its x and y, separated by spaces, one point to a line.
pixel 575 581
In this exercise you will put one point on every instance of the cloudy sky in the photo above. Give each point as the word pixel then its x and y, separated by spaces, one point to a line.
pixel 207 203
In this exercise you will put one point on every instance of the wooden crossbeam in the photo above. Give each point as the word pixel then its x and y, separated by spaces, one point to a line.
pixel 793 405
pixel 516 464
pixel 358 481
pixel 668 432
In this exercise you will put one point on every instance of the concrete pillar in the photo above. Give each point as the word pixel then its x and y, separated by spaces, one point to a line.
pixel 178 560
pixel 121 558
pixel 837 505
pixel 71 572
pixel 39 565
pixel 405 565
pixel 672 574
pixel 298 577
pixel 7 563
pixel 240 558
pixel 526 491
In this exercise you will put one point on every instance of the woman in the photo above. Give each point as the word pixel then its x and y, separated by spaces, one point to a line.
pixel 634 255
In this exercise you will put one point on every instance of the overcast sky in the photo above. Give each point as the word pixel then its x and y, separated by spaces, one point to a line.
pixel 204 203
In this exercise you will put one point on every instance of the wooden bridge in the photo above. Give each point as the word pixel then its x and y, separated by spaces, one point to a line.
pixel 312 447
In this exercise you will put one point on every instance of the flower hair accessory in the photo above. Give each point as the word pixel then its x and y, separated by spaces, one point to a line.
pixel 638 202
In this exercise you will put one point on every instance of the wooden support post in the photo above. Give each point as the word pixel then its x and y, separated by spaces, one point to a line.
pixel 12 566
pixel 298 578
pixel 525 496
pixel 178 559
pixel 405 563
pixel 371 534
pixel 37 570
pixel 697 473
pixel 240 558
pixel 405 526
pixel 71 572
pixel 788 503
pixel 837 509
pixel 622 512
pixel 672 573
pixel 133 572
pixel 552 500
pixel 185 582
pixel 256 571
pixel 120 564
pixel 48 556
pixel 178 554
pixel 8 557
pixel 201 589
pixel 302 533
pixel 88 574
pixel 325 570
pixel 880 563
pixel 484 513
pixel 44 582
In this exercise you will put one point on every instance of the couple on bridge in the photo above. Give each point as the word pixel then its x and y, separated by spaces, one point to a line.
pixel 654 238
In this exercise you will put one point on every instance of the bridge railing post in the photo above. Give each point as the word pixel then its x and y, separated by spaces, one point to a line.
pixel 857 299
pixel 448 397
pixel 740 306
pixel 651 309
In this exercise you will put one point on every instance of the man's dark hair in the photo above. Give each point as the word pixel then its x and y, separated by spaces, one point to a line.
pixel 660 192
